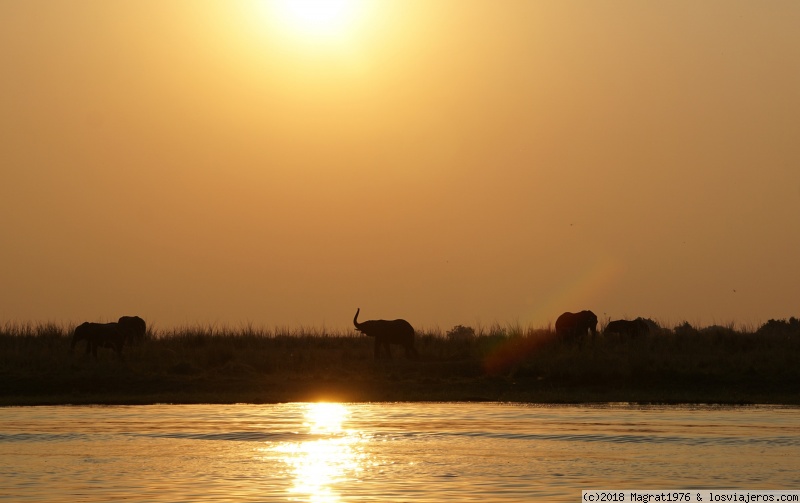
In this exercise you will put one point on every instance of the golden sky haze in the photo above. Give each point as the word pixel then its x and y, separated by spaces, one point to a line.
pixel 446 162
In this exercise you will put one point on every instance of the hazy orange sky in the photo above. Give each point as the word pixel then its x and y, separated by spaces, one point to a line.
pixel 448 162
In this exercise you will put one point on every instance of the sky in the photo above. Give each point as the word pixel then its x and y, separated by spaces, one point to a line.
pixel 229 163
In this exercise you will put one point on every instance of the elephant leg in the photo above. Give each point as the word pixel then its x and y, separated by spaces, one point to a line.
pixel 377 348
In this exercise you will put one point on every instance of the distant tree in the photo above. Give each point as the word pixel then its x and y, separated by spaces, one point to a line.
pixel 781 327
pixel 461 333
pixel 654 327
pixel 685 329
pixel 718 330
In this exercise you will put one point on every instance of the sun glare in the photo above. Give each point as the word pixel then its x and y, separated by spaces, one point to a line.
pixel 330 456
pixel 315 19
pixel 326 417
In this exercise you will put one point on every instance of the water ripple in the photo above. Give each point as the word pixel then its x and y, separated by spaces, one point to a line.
pixel 41 437
pixel 239 436
pixel 266 436
pixel 784 441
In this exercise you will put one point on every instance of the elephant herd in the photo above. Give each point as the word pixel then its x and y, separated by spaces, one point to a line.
pixel 128 329
pixel 572 326
pixel 132 329
pixel 569 326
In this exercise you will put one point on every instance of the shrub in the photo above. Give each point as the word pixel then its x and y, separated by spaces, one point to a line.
pixel 685 329
pixel 780 327
pixel 460 333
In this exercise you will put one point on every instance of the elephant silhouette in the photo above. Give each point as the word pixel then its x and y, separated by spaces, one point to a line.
pixel 386 333
pixel 99 335
pixel 628 328
pixel 135 328
pixel 576 325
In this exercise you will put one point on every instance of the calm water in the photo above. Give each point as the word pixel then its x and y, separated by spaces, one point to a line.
pixel 388 452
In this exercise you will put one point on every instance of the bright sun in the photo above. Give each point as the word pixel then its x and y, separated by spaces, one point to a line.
pixel 316 18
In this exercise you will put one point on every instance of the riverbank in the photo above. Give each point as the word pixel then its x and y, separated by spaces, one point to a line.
pixel 247 366
pixel 470 391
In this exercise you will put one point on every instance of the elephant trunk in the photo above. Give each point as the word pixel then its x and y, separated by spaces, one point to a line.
pixel 355 318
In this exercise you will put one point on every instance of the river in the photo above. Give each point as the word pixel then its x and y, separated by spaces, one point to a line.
pixel 421 452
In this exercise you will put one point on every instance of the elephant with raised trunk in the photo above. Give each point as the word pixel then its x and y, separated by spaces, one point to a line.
pixel 99 335
pixel 135 328
pixel 628 328
pixel 576 325
pixel 386 333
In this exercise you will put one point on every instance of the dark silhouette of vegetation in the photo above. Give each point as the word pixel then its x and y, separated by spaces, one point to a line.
pixel 685 329
pixel 461 333
pixel 499 363
pixel 789 328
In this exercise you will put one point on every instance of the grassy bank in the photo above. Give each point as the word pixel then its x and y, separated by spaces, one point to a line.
pixel 208 365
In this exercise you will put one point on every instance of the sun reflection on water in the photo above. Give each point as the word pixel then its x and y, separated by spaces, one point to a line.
pixel 325 418
pixel 317 465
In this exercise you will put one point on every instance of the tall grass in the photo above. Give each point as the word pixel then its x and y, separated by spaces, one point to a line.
pixel 510 362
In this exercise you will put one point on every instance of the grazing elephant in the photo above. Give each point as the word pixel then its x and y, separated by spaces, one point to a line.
pixel 575 325
pixel 99 335
pixel 134 327
pixel 628 328
pixel 387 332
